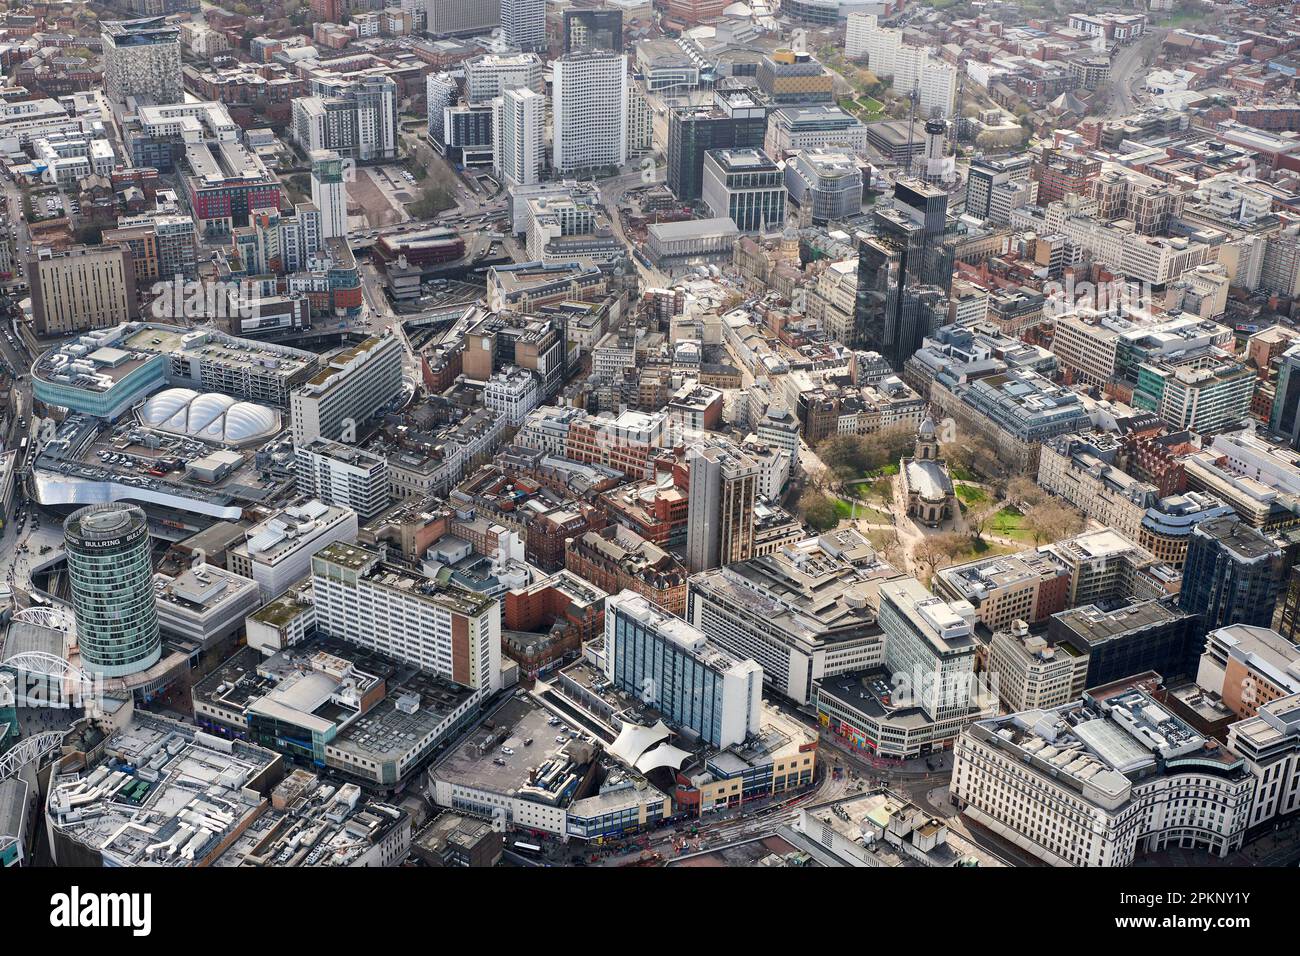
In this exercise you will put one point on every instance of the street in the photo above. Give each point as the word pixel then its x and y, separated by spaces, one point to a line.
pixel 1126 69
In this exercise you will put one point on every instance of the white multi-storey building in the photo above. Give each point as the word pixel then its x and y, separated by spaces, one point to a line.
pixel 339 474
pixel 353 386
pixel 1269 742
pixel 489 76
pixel 1028 673
pixel 858 29
pixel 512 393
pixel 523 23
pixel 1095 782
pixel 354 115
pixel 590 110
pixel 277 552
pixel 518 127
pixel 929 647
pixel 804 613
pixel 438 627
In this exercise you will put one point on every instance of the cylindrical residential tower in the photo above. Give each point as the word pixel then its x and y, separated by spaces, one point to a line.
pixel 111 574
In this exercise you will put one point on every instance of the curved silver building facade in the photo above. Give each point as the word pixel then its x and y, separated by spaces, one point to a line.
pixel 111 574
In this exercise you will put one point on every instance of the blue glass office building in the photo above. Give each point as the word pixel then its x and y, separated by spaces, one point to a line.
pixel 670 666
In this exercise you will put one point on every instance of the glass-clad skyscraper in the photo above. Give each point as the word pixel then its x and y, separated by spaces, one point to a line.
pixel 111 575
pixel 904 273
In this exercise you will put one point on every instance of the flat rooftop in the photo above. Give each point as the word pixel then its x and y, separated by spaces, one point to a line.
pixel 518 720
pixel 185 794
pixel 1096 626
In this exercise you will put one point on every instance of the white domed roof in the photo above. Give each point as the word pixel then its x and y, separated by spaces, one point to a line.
pixel 207 409
pixel 166 404
pixel 245 420
pixel 210 416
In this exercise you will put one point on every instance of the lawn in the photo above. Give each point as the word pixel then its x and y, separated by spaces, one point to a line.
pixel 1181 19
pixel 873 106
pixel 1010 523
pixel 853 509
pixel 989 549
pixel 970 494
pixel 877 486
pixel 884 471
pixel 960 473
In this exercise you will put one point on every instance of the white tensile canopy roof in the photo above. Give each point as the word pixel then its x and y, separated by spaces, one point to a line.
pixel 665 755
pixel 634 740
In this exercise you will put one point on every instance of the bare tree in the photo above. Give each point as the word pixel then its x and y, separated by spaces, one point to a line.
pixel 1053 520
pixel 977 521
pixel 935 549
pixel 973 453
pixel 1024 493
pixel 890 548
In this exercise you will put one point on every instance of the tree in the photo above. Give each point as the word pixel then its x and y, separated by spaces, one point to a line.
pixel 1024 493
pixel 848 456
pixel 844 455
pixel 818 511
pixel 1053 520
pixel 894 442
pixel 434 198
pixel 972 453
pixel 890 548
pixel 935 549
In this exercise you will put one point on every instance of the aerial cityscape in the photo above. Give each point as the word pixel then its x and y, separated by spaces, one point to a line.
pixel 649 434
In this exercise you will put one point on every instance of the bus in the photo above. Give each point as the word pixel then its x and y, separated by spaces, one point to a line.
pixel 527 849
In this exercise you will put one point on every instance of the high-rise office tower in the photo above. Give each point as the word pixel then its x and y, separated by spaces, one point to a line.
pixel 1285 419
pixel 593 30
pixel 590 110
pixel 671 666
pixel 929 648
pixel 1232 574
pixel 991 183
pixel 142 58
pixel 904 271
pixel 720 516
pixel 735 121
pixel 111 575
pixel 523 23
pixel 745 185
pixel 440 92
pixel 461 17
pixel 329 192
pixel 1288 612
pixel 518 124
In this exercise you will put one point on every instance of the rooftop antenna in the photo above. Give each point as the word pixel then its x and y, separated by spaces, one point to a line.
pixel 911 123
